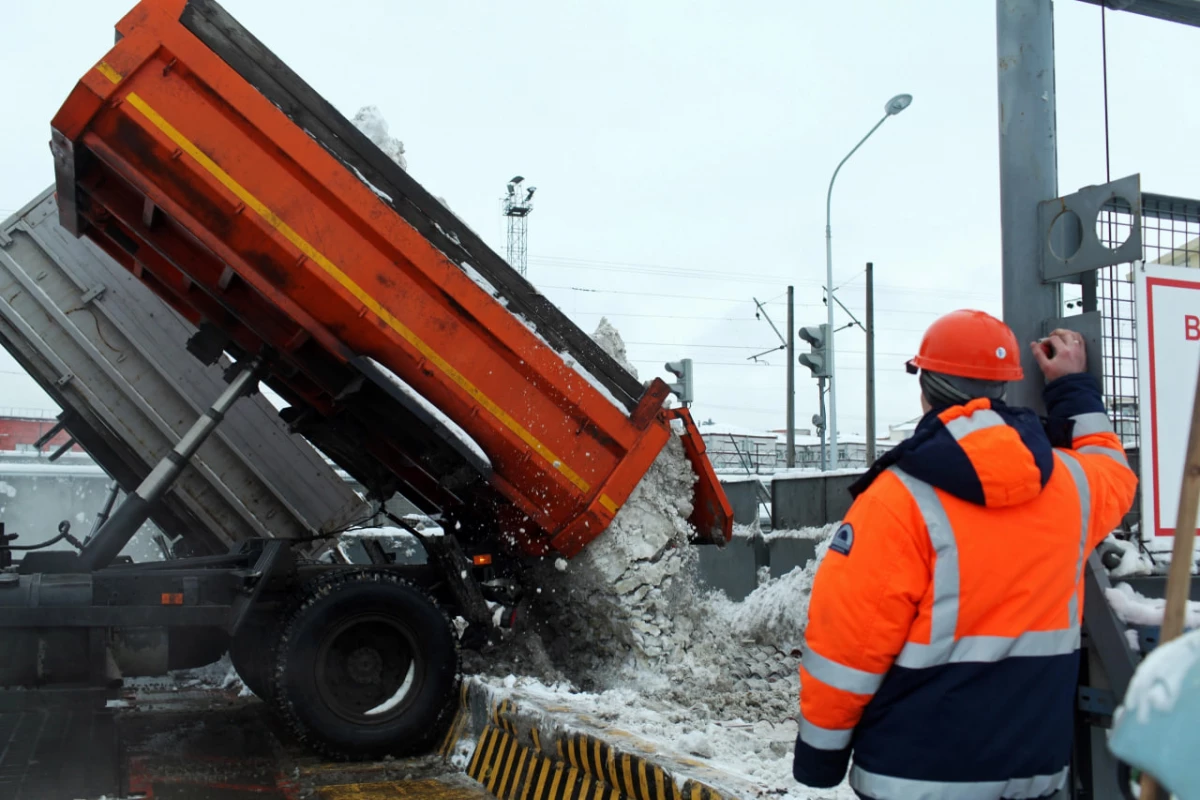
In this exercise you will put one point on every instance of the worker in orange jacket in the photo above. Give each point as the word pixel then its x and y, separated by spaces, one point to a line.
pixel 943 636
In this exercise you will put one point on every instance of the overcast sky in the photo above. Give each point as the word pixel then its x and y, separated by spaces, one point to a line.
pixel 682 152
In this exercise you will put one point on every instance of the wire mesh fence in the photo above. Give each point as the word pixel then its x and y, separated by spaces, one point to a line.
pixel 1170 236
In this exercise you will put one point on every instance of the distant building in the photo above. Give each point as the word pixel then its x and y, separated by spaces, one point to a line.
pixel 733 449
pixel 747 451
pixel 1186 256
pixel 20 428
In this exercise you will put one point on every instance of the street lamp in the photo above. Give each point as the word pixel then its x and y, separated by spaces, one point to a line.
pixel 893 107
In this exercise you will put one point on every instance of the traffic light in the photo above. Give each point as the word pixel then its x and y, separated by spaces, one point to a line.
pixel 817 337
pixel 683 371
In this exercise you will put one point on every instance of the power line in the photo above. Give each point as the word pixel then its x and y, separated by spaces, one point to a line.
pixel 659 269
pixel 586 290
pixel 659 316
pixel 708 363
pixel 655 269
pixel 688 345
pixel 814 305
pixel 709 319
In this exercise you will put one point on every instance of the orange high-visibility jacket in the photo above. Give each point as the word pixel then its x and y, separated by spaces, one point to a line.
pixel 942 645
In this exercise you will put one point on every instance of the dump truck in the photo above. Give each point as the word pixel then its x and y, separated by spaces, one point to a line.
pixel 404 348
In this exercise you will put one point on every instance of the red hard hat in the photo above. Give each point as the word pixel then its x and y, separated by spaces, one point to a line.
pixel 970 344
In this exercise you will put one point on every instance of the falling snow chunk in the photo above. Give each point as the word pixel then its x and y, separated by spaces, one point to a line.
pixel 7 489
pixel 560 564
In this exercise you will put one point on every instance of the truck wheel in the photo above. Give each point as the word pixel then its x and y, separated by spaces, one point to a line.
pixel 367 666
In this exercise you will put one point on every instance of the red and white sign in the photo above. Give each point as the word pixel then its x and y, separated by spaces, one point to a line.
pixel 1168 323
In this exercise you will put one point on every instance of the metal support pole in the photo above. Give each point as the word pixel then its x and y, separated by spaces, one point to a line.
pixel 114 489
pixel 870 363
pixel 133 513
pixel 825 424
pixel 1088 289
pixel 791 379
pixel 1028 175
pixel 832 423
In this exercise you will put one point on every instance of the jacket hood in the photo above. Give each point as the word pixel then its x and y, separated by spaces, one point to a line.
pixel 983 452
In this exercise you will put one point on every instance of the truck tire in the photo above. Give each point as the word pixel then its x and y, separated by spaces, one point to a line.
pixel 367 666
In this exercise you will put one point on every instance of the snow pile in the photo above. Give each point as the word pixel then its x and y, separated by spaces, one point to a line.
pixel 1134 609
pixel 611 342
pixel 629 614
pixel 1133 560
pixel 610 607
pixel 370 121
pixel 1158 681
pixel 776 612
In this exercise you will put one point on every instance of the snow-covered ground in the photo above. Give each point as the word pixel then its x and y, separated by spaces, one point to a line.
pixel 748 748
pixel 217 675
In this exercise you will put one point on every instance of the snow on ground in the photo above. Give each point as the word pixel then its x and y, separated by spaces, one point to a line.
pixel 1134 609
pixel 217 675
pixel 748 748
pixel 1157 683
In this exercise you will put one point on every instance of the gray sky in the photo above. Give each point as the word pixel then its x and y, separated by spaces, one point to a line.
pixel 697 138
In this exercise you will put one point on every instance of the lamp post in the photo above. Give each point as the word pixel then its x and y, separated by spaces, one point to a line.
pixel 893 107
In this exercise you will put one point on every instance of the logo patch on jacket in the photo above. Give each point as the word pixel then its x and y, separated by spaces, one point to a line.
pixel 843 540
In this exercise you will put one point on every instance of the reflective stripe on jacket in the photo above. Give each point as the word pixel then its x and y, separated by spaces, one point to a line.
pixel 944 625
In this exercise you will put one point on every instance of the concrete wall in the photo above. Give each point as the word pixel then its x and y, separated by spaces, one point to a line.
pixel 743 497
pixel 734 568
pixel 810 501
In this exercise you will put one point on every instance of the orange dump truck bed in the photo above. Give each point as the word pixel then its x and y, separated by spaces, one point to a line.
pixel 211 171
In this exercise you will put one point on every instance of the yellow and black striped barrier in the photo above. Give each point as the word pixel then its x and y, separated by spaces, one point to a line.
pixel 514 761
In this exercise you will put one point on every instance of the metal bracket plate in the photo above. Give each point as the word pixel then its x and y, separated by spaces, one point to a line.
pixel 1091 325
pixel 1068 229
pixel 93 293
pixel 1101 702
